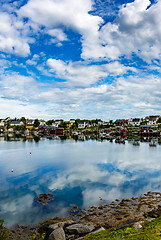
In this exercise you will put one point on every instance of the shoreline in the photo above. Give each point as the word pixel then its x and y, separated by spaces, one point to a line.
pixel 117 213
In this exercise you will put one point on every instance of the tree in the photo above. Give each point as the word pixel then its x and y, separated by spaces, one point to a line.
pixel 49 122
pixel 63 125
pixel 36 123
pixel 159 120
pixel 23 119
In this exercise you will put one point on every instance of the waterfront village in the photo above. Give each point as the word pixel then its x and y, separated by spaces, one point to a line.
pixel 137 129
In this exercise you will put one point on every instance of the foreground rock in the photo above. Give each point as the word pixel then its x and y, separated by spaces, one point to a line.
pixel 57 234
pixel 79 229
pixel 68 230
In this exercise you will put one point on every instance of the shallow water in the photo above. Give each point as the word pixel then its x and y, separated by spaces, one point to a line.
pixel 75 172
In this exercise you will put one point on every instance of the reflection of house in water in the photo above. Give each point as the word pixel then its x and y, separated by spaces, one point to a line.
pixel 120 140
pixel 120 130
pixel 81 137
pixel 153 143
pixel 136 142
pixel 30 138
pixel 50 131
pixel 145 139
pixel 2 138
pixel 146 131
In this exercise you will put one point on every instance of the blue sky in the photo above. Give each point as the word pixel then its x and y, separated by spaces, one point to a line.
pixel 80 58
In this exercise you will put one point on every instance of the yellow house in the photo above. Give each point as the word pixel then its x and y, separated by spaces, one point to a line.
pixel 69 125
pixel 29 126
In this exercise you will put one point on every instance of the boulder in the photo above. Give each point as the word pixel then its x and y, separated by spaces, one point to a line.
pixel 138 225
pixel 54 226
pixel 57 234
pixel 79 229
pixel 99 229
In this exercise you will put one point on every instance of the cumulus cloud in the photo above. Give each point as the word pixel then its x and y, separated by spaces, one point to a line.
pixel 16 86
pixel 136 30
pixel 13 39
pixel 81 74
pixel 69 14
pixel 132 31
pixel 34 60
pixel 58 35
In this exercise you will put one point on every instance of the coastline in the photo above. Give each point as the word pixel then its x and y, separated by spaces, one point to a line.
pixel 116 214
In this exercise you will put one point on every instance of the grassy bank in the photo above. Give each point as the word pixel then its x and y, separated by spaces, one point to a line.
pixel 150 231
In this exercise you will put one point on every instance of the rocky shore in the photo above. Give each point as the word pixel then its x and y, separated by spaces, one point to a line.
pixel 136 211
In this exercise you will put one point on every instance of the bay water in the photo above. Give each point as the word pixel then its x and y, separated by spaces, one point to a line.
pixel 75 172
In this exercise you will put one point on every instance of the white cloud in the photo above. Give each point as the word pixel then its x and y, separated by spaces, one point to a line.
pixel 80 74
pixel 136 30
pixel 69 14
pixel 16 86
pixel 58 34
pixel 34 60
pixel 132 31
pixel 13 39
pixel 125 97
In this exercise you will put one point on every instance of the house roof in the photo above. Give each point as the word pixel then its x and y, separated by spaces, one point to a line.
pixel 16 122
pixel 145 126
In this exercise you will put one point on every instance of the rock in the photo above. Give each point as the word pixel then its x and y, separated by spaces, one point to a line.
pixel 99 229
pixel 138 225
pixel 57 234
pixel 79 229
pixel 54 226
pixel 69 222
pixel 70 237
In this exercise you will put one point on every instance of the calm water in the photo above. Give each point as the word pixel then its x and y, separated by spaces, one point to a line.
pixel 75 172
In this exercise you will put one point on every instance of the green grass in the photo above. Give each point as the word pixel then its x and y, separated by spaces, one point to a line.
pixel 152 231
pixel 3 231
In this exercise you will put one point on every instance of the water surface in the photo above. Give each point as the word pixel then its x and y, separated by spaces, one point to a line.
pixel 76 172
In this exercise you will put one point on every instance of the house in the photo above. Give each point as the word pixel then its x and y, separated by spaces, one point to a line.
pixel 72 121
pixel 120 122
pixel 16 123
pixel 30 121
pixel 100 122
pixel 1 123
pixel 50 131
pixel 68 124
pixel 7 120
pixel 82 124
pixel 134 121
pixel 29 126
pixel 56 123
pixel 153 120
pixel 42 122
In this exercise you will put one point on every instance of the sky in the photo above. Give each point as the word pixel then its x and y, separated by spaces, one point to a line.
pixel 82 59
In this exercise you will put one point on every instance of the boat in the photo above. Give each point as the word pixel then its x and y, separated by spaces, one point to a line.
pixel 136 142
pixel 153 143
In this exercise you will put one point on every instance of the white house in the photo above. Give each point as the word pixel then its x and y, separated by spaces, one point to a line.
pixel 42 122
pixel 1 123
pixel 82 124
pixel 134 121
pixel 30 121
pixel 153 120
pixel 56 123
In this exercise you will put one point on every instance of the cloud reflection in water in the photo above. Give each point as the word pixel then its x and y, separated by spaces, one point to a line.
pixel 76 172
